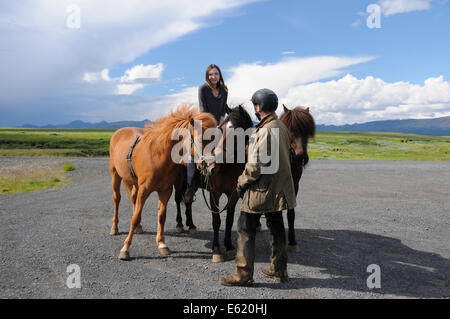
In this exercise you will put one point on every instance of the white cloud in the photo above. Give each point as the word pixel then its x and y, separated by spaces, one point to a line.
pixel 134 78
pixel 44 56
pixel 96 76
pixel 281 76
pixel 143 72
pixel 128 88
pixel 342 101
pixel 350 100
pixel 391 7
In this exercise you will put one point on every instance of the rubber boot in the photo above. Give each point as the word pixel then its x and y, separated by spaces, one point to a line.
pixel 245 255
pixel 277 240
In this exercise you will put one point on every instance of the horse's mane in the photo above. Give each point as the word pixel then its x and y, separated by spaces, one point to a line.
pixel 158 135
pixel 300 123
pixel 239 117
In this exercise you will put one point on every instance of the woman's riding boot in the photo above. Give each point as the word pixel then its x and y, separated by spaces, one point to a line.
pixel 190 191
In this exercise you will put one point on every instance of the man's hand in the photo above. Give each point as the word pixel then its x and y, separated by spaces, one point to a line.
pixel 240 192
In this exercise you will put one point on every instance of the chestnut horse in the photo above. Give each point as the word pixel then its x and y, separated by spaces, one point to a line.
pixel 224 181
pixel 153 167
pixel 301 125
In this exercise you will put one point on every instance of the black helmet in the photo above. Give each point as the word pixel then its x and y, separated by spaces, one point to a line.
pixel 267 99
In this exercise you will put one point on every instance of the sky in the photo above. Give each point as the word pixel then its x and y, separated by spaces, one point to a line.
pixel 350 61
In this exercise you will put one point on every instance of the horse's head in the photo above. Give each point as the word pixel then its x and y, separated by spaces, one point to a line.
pixel 188 137
pixel 199 142
pixel 301 126
pixel 234 126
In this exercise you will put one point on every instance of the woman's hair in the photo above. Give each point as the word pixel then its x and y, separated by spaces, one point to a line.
pixel 221 83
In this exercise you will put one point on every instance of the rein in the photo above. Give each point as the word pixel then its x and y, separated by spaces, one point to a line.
pixel 207 176
pixel 204 171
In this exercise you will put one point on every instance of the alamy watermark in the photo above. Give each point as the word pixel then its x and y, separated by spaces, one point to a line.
pixel 263 146
pixel 374 18
pixel 374 279
pixel 74 278
pixel 73 20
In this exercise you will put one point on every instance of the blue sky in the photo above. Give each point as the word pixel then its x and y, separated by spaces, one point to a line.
pixel 138 59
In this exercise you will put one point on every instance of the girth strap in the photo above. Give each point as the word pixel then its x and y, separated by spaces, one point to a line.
pixel 130 153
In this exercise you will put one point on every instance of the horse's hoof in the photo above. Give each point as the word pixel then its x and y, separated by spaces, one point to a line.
pixel 124 255
pixel 164 251
pixel 217 258
pixel 138 230
pixel 231 253
pixel 180 229
pixel 114 231
pixel 293 248
pixel 258 228
pixel 193 231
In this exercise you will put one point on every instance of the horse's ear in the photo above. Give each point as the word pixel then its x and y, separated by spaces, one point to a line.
pixel 241 109
pixel 307 109
pixel 227 109
pixel 285 108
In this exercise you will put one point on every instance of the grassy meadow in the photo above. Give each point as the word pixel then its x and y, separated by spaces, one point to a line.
pixel 326 145
pixel 54 142
pixel 95 143
pixel 379 146
pixel 34 180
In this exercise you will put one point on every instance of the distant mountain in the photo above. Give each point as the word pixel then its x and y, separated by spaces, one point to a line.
pixel 95 126
pixel 435 127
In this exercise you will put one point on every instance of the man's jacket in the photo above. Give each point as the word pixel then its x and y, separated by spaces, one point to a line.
pixel 268 190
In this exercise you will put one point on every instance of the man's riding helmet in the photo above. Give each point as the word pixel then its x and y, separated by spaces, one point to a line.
pixel 267 100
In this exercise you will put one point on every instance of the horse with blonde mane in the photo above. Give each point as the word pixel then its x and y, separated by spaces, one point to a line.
pixel 150 166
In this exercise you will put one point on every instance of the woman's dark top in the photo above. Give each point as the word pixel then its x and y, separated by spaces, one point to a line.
pixel 210 103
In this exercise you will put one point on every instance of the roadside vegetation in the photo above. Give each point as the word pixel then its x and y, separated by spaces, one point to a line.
pixel 326 145
pixel 27 180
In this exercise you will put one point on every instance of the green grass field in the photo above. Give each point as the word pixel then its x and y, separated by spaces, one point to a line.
pixel 34 180
pixel 51 142
pixel 379 146
pixel 326 145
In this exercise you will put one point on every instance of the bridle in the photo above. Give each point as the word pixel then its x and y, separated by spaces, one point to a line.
pixel 207 173
pixel 203 160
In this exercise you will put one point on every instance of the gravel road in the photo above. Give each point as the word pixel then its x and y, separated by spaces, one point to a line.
pixel 350 214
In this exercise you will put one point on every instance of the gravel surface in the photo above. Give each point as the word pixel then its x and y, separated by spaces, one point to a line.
pixel 350 214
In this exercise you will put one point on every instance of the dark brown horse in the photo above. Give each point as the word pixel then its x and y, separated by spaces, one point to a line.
pixel 301 125
pixel 224 181
pixel 153 166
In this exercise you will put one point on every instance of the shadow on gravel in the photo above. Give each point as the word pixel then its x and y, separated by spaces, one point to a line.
pixel 344 256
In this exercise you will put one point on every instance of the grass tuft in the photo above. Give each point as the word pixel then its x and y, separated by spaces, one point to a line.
pixel 67 167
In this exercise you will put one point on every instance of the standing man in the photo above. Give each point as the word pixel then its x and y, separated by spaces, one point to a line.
pixel 264 193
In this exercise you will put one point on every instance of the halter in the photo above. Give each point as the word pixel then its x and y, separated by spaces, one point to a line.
pixel 202 158
pixel 204 171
